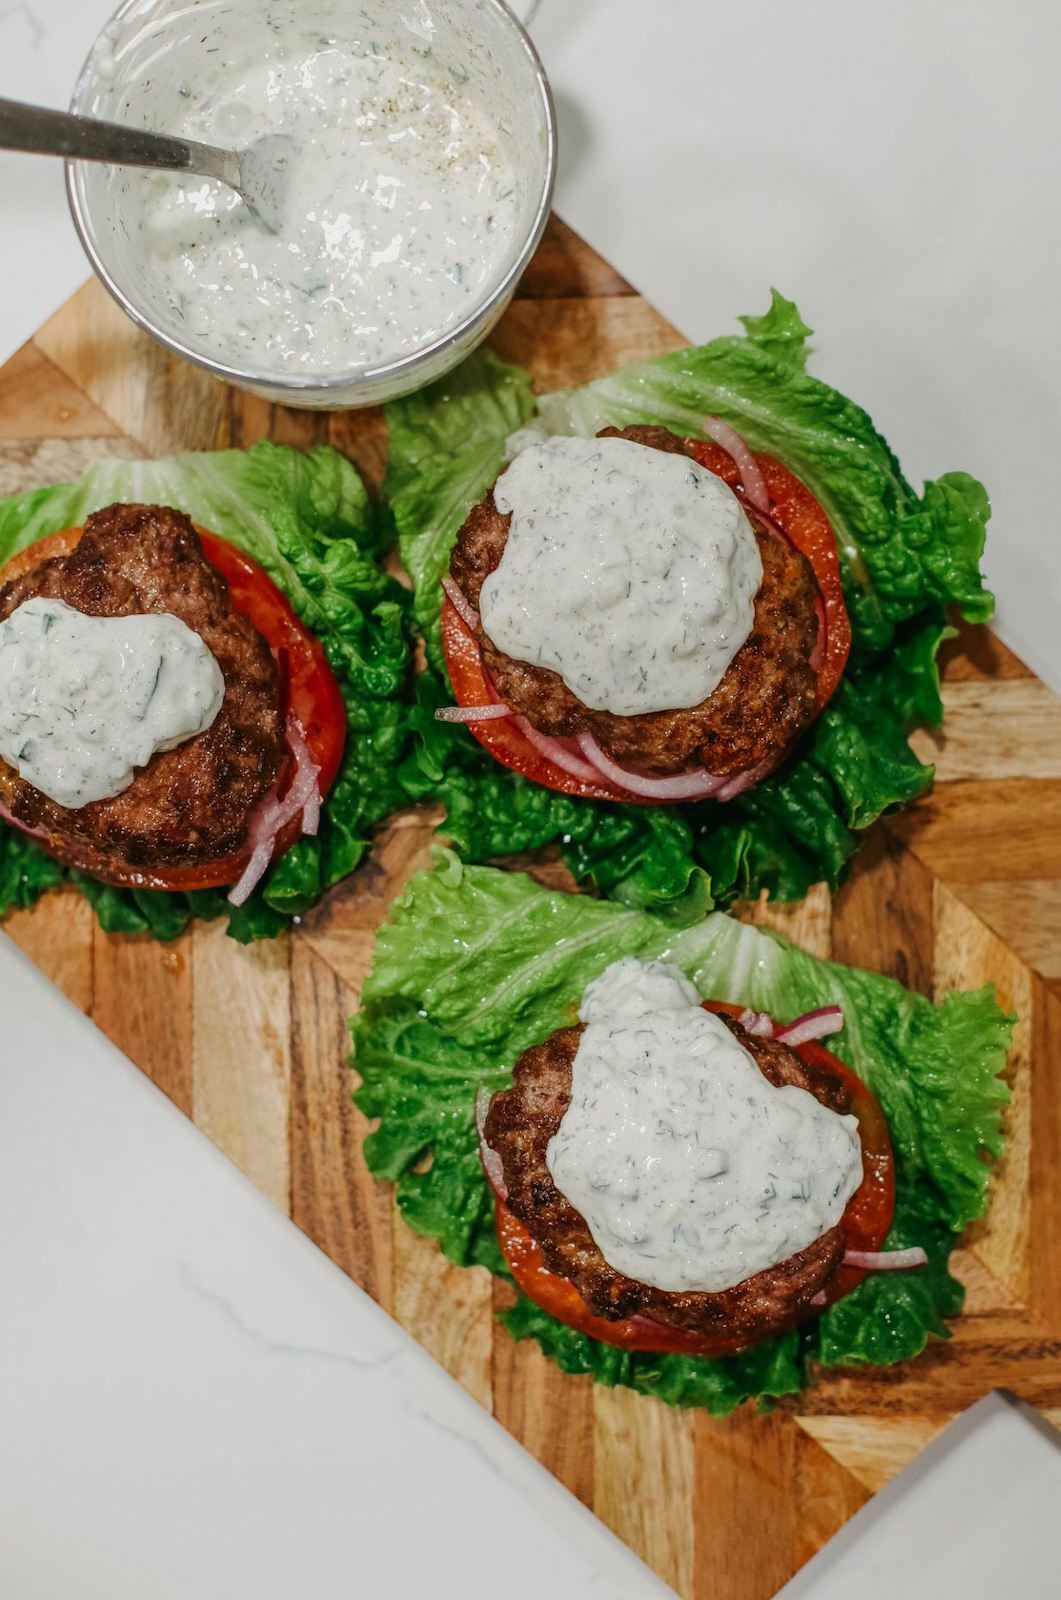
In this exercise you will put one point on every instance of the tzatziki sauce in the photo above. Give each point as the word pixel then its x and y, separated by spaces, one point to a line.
pixel 402 209
pixel 85 701
pixel 691 1170
pixel 629 571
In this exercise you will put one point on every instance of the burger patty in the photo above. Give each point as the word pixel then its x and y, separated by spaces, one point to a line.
pixel 191 805
pixel 763 703
pixel 523 1119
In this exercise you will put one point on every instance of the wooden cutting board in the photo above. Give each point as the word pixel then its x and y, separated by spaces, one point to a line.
pixel 251 1043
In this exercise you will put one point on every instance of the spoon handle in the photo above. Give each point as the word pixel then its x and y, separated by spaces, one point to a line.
pixel 60 133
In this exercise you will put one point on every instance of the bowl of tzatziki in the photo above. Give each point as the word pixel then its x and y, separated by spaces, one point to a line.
pixel 420 146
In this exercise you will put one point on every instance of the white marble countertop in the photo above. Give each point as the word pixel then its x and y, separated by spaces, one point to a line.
pixel 192 1398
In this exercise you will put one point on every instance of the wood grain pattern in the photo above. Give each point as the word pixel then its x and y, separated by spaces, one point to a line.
pixel 553 1415
pixel 968 955
pixel 746 1505
pixel 241 1054
pixel 142 1000
pixel 964 888
pixel 874 1455
pixel 994 730
pixel 58 936
pixel 333 1197
pixel 644 1472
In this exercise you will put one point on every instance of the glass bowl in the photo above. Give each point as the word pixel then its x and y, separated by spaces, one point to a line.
pixel 146 38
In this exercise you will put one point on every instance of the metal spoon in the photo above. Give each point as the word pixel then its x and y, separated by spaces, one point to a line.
pixel 260 174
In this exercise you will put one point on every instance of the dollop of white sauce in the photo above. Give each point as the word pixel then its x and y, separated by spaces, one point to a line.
pixel 690 1169
pixel 630 572
pixel 85 701
pixel 402 208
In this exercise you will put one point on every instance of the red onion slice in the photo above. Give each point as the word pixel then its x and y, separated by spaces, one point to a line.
pixel 818 1299
pixel 886 1260
pixel 492 713
pixel 759 1023
pixel 462 606
pixel 303 785
pixel 304 793
pixel 558 753
pixel 769 522
pixel 817 655
pixel 272 815
pixel 682 786
pixel 750 472
pixel 311 814
pixel 253 873
pixel 23 827
pixel 745 780
pixel 814 1025
pixel 492 1165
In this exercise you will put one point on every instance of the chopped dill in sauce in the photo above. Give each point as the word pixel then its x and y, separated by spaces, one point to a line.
pixel 692 1171
pixel 85 701
pixel 403 204
pixel 629 571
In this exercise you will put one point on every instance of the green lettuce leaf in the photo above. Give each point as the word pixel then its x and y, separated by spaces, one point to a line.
pixel 447 445
pixel 306 518
pixel 905 559
pixel 476 965
pixel 899 552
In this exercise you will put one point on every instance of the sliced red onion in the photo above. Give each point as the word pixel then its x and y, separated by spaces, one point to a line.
pixel 492 713
pixel 771 524
pixel 304 794
pixel 886 1260
pixel 818 1299
pixel 311 814
pixel 492 1164
pixel 253 873
pixel 558 753
pixel 814 1025
pixel 273 814
pixel 682 786
pixel 759 1023
pixel 817 655
pixel 744 780
pixel 462 606
pixel 750 472
pixel 23 827
pixel 303 785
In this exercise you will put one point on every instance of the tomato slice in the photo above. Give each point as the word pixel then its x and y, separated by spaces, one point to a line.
pixel 807 528
pixel 865 1223
pixel 312 692
pixel 309 688
pixel 503 739
pixel 562 1300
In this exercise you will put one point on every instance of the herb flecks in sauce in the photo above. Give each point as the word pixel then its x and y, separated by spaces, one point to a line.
pixel 85 701
pixel 401 215
pixel 692 1171
pixel 630 572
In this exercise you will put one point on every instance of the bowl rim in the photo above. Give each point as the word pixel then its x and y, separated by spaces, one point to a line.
pixel 358 377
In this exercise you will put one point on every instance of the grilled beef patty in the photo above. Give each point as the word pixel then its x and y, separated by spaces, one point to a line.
pixel 191 805
pixel 764 702
pixel 523 1119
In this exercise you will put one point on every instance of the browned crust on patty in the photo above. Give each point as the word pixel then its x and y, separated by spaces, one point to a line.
pixel 764 702
pixel 188 806
pixel 523 1119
